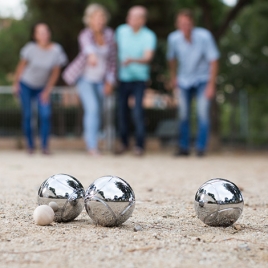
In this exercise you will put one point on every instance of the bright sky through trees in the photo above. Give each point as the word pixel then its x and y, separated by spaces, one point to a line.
pixel 12 8
pixel 16 8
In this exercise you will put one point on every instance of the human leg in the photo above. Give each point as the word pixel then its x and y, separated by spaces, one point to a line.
pixel 138 113
pixel 26 97
pixel 185 97
pixel 88 94
pixel 123 111
pixel 99 93
pixel 203 107
pixel 44 111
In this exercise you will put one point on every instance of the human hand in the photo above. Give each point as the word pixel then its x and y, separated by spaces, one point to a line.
pixel 210 90
pixel 173 84
pixel 45 95
pixel 127 62
pixel 16 89
pixel 92 60
pixel 108 89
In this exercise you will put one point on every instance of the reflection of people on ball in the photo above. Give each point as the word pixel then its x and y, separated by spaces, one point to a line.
pixel 114 209
pixel 228 205
pixel 66 192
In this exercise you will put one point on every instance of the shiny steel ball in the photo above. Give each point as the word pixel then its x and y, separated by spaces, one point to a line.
pixel 65 193
pixel 219 202
pixel 109 201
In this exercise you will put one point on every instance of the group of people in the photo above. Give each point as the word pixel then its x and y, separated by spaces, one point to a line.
pixel 120 59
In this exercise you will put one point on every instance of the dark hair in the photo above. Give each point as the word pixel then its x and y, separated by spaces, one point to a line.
pixel 186 12
pixel 33 28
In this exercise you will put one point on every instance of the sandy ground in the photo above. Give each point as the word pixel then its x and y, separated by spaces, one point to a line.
pixel 172 236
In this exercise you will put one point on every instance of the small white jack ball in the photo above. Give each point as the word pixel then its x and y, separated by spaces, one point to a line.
pixel 43 215
pixel 54 206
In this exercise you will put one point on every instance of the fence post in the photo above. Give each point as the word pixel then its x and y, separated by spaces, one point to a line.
pixel 109 122
pixel 244 124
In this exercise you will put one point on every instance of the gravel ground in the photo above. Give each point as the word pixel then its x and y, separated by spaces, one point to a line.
pixel 170 235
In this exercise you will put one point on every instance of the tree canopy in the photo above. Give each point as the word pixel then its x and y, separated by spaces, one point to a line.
pixel 239 30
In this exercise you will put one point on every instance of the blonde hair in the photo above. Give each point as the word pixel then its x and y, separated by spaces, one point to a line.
pixel 93 8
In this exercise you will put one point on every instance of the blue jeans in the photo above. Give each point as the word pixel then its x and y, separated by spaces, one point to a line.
pixel 125 90
pixel 91 95
pixel 27 95
pixel 203 105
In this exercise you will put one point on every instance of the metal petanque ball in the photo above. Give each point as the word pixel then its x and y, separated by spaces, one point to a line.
pixel 65 194
pixel 219 202
pixel 109 201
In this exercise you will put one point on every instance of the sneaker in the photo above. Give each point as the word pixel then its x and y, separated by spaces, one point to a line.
pixel 200 153
pixel 94 153
pixel 121 150
pixel 30 151
pixel 181 152
pixel 46 152
pixel 138 151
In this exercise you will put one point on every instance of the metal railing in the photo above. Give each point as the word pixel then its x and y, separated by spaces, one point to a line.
pixel 243 118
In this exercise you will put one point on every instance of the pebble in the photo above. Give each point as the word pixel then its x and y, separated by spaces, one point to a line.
pixel 237 227
pixel 244 246
pixel 43 215
pixel 137 228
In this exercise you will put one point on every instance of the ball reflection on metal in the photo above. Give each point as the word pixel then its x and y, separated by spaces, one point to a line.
pixel 218 202
pixel 66 192
pixel 109 201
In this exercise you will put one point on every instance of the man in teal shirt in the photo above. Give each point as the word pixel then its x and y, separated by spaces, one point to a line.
pixel 136 44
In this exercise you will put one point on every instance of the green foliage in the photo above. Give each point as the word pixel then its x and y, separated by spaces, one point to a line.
pixel 63 16
pixel 8 101
pixel 248 39
pixel 111 5
pixel 12 39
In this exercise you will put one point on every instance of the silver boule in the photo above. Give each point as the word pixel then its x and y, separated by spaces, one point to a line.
pixel 109 201
pixel 66 194
pixel 219 202
pixel 54 206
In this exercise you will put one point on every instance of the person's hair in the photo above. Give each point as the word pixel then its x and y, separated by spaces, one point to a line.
pixel 91 9
pixel 187 13
pixel 33 28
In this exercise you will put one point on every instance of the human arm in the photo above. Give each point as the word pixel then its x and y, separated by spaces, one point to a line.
pixel 149 43
pixel 146 59
pixel 53 78
pixel 211 86
pixel 110 76
pixel 212 54
pixel 87 47
pixel 172 65
pixel 172 62
pixel 59 61
pixel 19 70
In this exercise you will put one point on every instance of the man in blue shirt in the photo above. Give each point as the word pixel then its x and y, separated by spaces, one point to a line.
pixel 136 44
pixel 193 64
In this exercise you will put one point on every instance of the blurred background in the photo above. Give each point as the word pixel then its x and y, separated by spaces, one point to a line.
pixel 240 110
